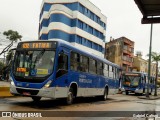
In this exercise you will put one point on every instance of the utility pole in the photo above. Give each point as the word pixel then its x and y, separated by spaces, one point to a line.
pixel 155 92
pixel 149 61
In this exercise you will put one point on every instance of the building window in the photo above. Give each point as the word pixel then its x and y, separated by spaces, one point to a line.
pixel 80 24
pixel 79 40
pixel 90 30
pixel 92 15
pixel 89 44
pixel 81 8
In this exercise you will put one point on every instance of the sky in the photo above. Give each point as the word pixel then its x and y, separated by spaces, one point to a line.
pixel 123 19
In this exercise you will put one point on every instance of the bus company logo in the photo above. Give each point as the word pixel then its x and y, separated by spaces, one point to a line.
pixel 6 114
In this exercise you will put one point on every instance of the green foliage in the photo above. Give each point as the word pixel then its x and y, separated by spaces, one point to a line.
pixel 1 66
pixel 9 56
pixel 155 57
pixel 12 35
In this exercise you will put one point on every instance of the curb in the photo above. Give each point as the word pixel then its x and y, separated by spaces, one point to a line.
pixel 5 92
pixel 150 98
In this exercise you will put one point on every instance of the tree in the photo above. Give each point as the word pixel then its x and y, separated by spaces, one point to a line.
pixel 155 58
pixel 1 65
pixel 9 56
pixel 13 36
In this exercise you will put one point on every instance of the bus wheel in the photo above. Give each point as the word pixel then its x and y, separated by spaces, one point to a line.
pixel 36 99
pixel 127 93
pixel 105 94
pixel 70 97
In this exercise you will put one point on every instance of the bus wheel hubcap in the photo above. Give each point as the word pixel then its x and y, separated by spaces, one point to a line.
pixel 105 95
pixel 70 97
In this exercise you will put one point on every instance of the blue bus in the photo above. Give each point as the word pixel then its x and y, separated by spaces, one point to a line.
pixel 137 82
pixel 56 69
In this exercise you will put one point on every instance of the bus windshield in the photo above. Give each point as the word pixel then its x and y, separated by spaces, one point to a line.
pixel 34 63
pixel 131 81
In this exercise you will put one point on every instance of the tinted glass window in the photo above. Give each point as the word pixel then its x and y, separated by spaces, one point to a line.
pixel 79 62
pixel 84 63
pixel 99 68
pixel 105 70
pixel 75 58
pixel 92 66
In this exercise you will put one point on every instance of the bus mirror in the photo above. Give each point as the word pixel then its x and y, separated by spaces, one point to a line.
pixel 62 52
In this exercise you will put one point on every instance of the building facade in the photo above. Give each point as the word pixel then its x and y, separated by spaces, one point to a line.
pixel 141 65
pixel 79 22
pixel 121 52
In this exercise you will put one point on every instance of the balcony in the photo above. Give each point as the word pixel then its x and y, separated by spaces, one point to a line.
pixel 127 60
pixel 130 43
pixel 128 50
pixel 127 63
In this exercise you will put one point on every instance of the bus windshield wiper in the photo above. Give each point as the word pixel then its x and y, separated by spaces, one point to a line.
pixel 38 57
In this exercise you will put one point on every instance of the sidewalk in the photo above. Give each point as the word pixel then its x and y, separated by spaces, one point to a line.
pixel 151 97
pixel 5 89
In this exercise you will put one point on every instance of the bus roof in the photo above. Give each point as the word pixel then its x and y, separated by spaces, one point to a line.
pixel 68 45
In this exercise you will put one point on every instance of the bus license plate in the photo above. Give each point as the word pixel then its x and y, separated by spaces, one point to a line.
pixel 26 93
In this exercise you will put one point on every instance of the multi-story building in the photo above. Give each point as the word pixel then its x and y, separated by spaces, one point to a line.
pixel 79 22
pixel 120 51
pixel 141 65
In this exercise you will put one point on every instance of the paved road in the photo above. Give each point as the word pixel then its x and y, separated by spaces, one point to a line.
pixel 115 103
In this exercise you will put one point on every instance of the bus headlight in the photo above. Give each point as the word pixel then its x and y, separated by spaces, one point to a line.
pixel 11 81
pixel 47 85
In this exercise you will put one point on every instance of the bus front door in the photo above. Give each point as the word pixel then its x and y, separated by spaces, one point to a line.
pixel 62 75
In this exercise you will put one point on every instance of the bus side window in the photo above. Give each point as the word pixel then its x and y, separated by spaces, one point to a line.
pixel 92 66
pixel 106 70
pixel 99 68
pixel 74 61
pixel 84 63
pixel 111 71
pixel 62 65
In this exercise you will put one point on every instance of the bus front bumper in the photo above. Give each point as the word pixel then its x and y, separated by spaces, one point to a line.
pixel 51 92
pixel 139 91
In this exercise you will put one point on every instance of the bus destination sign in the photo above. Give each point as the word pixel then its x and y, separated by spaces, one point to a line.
pixel 36 45
pixel 132 74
